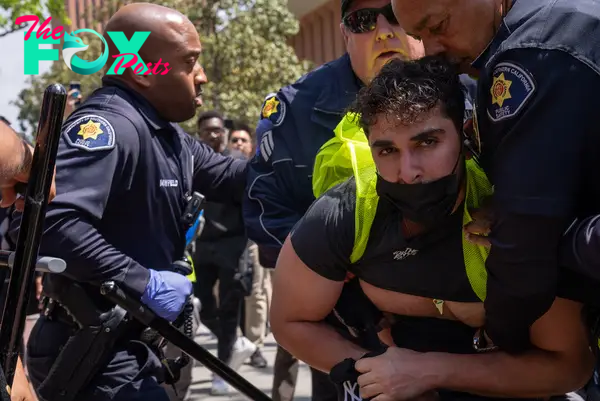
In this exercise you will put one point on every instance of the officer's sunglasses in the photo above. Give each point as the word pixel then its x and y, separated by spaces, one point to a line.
pixel 239 139
pixel 365 20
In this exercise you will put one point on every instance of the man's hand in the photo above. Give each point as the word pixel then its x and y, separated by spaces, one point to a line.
pixel 397 374
pixel 477 231
pixel 166 293
pixel 7 187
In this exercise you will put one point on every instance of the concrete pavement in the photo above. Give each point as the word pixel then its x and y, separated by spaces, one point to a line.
pixel 261 378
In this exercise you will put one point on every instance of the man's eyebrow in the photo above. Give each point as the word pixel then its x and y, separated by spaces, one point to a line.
pixel 423 23
pixel 382 143
pixel 426 134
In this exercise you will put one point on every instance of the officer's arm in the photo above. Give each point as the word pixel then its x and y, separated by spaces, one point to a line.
pixel 539 132
pixel 276 196
pixel 217 177
pixel 93 168
pixel 580 248
pixel 562 361
pixel 309 278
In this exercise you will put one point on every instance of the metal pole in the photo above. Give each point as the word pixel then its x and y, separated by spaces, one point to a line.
pixel 144 315
pixel 31 228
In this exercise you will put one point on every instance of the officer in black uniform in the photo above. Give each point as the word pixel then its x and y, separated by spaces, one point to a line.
pixel 124 172
pixel 538 139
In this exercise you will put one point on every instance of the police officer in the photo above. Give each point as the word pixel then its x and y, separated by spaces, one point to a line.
pixel 124 171
pixel 15 162
pixel 538 142
pixel 293 125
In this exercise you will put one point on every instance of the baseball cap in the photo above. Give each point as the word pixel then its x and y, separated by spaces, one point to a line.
pixel 345 6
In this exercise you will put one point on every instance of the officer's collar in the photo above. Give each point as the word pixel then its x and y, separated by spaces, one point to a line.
pixel 145 108
pixel 507 26
pixel 336 99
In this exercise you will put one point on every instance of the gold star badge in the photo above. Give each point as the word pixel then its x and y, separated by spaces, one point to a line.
pixel 90 130
pixel 270 107
pixel 500 90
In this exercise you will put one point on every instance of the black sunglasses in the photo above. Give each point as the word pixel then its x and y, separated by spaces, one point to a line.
pixel 365 20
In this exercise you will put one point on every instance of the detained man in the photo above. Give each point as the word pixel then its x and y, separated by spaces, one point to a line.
pixel 397 226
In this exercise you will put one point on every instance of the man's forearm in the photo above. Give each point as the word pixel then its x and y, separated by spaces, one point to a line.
pixel 13 153
pixel 317 344
pixel 530 375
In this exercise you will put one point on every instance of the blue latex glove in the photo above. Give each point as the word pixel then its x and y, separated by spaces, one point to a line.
pixel 167 293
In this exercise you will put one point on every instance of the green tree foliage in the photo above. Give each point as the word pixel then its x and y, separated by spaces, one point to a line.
pixel 244 53
pixel 11 9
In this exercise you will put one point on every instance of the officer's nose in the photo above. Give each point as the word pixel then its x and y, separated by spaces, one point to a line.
pixel 433 47
pixel 200 76
pixel 409 172
pixel 384 29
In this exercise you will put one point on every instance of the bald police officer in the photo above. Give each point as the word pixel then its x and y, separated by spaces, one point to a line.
pixel 124 172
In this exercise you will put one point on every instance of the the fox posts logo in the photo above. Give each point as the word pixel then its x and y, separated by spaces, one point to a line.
pixel 74 45
pixel 128 50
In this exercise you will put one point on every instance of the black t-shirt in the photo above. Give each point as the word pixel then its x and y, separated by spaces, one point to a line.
pixel 429 265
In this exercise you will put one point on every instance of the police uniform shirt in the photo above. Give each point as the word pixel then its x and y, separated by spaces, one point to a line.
pixel 122 175
pixel 294 123
pixel 537 118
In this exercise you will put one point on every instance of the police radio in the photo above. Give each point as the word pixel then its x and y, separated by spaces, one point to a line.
pixel 192 211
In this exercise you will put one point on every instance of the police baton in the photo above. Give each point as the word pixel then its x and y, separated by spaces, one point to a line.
pixel 144 315
pixel 31 228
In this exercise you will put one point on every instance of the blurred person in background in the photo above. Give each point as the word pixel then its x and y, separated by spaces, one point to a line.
pixel 212 131
pixel 219 249
pixel 240 139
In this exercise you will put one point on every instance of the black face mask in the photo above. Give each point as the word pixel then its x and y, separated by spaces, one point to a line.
pixel 426 203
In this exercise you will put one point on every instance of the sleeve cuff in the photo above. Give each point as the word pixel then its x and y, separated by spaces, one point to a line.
pixel 136 279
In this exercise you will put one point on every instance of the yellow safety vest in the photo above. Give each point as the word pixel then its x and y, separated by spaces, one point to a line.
pixel 348 154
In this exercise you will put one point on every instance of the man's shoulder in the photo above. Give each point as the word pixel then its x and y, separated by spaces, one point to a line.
pixel 338 204
pixel 313 83
pixel 98 129
pixel 540 24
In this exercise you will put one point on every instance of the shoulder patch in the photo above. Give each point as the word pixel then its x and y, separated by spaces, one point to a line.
pixel 91 133
pixel 511 88
pixel 273 109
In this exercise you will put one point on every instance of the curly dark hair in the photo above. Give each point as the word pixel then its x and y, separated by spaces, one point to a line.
pixel 408 90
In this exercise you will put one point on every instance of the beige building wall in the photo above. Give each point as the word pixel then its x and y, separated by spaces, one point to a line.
pixel 319 39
